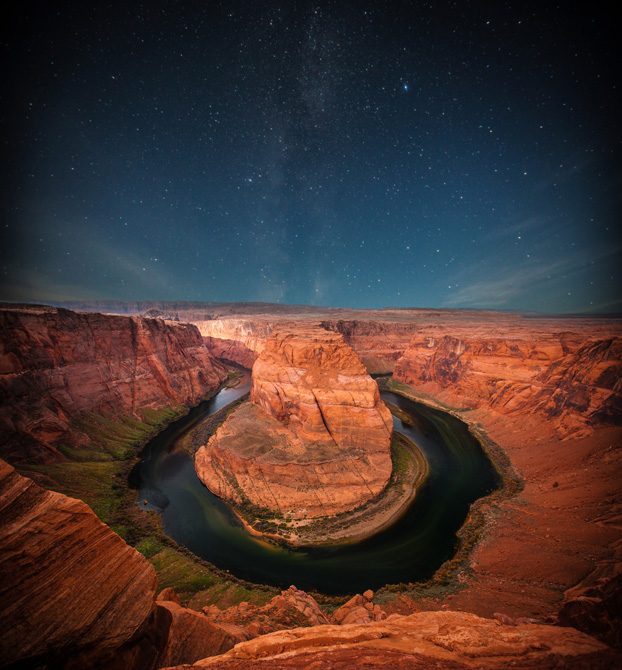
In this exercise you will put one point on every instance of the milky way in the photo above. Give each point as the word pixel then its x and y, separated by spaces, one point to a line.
pixel 445 154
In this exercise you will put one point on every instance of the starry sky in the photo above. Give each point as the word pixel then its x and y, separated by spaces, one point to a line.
pixel 355 154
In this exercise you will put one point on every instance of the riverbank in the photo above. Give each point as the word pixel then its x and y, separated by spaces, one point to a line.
pixel 410 470
pixel 554 523
pixel 101 481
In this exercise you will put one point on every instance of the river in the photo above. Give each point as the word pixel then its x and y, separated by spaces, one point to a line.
pixel 411 550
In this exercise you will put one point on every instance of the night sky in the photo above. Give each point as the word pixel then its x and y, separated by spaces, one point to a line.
pixel 359 154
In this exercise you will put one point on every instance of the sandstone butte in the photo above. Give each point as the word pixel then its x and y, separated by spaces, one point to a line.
pixel 315 438
pixel 57 365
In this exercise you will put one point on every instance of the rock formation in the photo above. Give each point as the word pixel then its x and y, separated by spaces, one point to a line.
pixel 450 640
pixel 192 635
pixel 359 609
pixel 70 587
pixel 572 382
pixel 315 439
pixel 56 365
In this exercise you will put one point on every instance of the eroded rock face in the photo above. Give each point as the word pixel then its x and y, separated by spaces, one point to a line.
pixel 192 635
pixel 311 381
pixel 56 365
pixel 70 588
pixel 315 439
pixel 292 609
pixel 573 382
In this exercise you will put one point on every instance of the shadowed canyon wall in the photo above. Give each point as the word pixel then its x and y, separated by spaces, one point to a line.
pixel 57 365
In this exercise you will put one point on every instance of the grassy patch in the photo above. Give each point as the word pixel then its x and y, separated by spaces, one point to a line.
pixel 149 546
pixel 99 485
pixel 97 473
pixel 180 572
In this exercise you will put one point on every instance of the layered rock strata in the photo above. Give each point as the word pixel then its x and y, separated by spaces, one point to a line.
pixel 450 640
pixel 315 438
pixel 56 365
pixel 378 342
pixel 572 382
pixel 69 586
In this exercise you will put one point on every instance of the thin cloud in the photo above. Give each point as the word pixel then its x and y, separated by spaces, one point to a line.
pixel 524 283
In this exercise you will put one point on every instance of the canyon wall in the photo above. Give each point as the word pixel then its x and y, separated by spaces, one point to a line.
pixel 56 365
pixel 572 380
pixel 379 341
pixel 315 438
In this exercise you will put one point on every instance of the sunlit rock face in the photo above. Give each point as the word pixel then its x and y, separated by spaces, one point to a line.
pixel 315 439
pixel 570 379
pixel 313 383
pixel 56 365
pixel 70 587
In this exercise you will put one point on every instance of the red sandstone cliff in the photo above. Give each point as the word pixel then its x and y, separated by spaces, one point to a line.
pixel 56 365
pixel 572 380
pixel 69 586
pixel 315 439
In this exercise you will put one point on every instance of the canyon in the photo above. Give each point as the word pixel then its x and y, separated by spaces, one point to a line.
pixel 314 440
pixel 58 368
pixel 543 394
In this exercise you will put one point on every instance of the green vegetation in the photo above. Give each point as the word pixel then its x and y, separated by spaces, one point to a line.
pixel 101 454
pixel 149 546
pixel 99 485
pixel 403 455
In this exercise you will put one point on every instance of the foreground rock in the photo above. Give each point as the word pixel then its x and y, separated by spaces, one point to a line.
pixel 57 365
pixel 315 439
pixel 192 635
pixel 74 595
pixel 423 640
pixel 70 588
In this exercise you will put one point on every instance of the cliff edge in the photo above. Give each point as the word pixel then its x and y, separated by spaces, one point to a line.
pixel 57 365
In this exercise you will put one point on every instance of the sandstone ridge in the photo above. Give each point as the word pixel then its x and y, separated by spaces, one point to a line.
pixel 450 640
pixel 315 438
